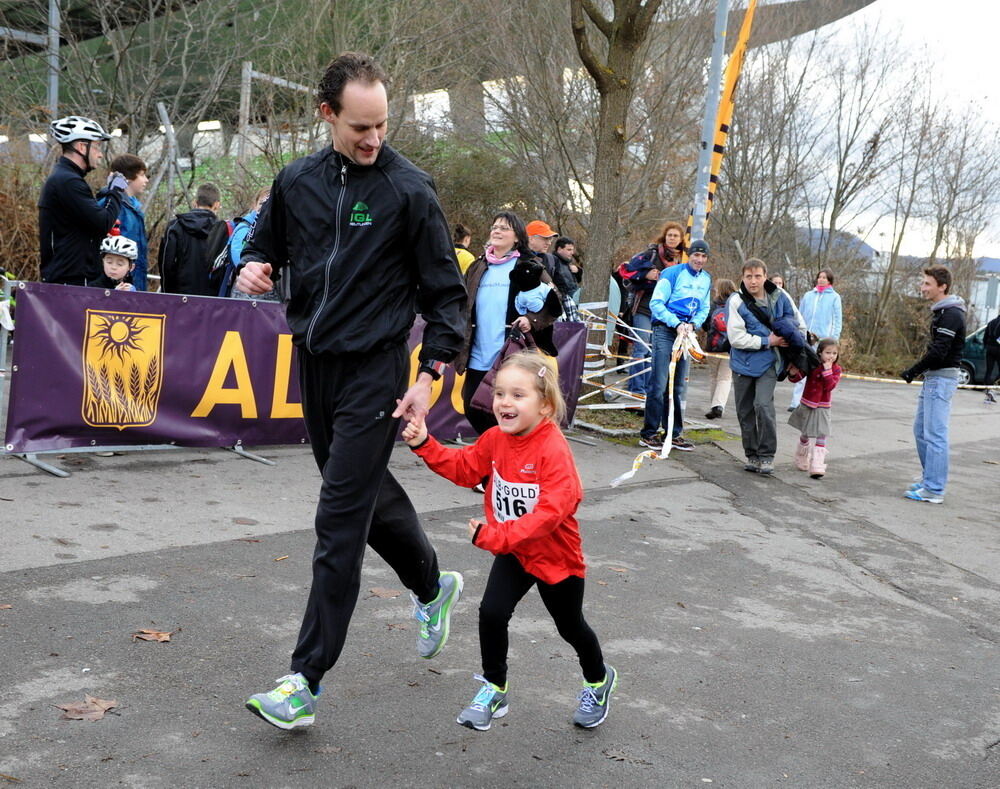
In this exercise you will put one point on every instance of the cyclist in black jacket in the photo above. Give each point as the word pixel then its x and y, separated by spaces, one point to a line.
pixel 939 366
pixel 71 224
pixel 367 244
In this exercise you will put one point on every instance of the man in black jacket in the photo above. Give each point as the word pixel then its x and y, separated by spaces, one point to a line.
pixel 362 232
pixel 939 366
pixel 183 266
pixel 71 224
pixel 991 343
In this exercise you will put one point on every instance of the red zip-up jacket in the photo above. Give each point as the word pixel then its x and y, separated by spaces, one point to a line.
pixel 820 385
pixel 532 493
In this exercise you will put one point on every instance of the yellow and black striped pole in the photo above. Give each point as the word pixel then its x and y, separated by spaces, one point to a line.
pixel 724 117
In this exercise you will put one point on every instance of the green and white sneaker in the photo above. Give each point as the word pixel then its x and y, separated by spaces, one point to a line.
pixel 490 702
pixel 435 616
pixel 595 700
pixel 288 706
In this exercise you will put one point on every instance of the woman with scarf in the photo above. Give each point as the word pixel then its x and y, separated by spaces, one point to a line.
pixel 823 314
pixel 643 272
pixel 492 309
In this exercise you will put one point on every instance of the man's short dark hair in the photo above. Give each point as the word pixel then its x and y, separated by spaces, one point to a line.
pixel 941 275
pixel 564 241
pixel 348 67
pixel 753 263
pixel 128 165
pixel 207 196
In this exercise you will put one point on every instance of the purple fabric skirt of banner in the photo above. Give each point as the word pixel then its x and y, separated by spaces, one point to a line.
pixel 111 368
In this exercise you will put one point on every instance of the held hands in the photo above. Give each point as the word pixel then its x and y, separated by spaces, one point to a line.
pixel 653 274
pixel 416 401
pixel 522 323
pixel 255 278
pixel 124 286
pixel 415 432
pixel 472 526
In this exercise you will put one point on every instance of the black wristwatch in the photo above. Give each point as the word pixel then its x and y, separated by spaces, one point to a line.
pixel 433 368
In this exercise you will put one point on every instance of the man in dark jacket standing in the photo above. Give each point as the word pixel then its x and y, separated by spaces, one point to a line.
pixel 362 233
pixel 183 267
pixel 939 366
pixel 991 343
pixel 71 224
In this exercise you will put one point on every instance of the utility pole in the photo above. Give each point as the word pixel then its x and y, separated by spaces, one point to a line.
pixel 713 93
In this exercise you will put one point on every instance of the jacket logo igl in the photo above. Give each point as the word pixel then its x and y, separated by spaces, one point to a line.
pixel 360 216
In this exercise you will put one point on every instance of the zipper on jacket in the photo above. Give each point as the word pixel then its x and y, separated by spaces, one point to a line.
pixel 329 261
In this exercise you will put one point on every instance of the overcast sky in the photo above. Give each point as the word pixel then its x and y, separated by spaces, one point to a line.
pixel 958 40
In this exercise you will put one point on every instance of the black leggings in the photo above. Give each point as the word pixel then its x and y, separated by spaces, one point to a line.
pixel 481 421
pixel 508 583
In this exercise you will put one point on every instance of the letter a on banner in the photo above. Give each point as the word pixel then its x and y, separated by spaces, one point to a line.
pixel 232 356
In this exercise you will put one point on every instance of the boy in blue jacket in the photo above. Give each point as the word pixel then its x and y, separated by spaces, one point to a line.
pixel 131 218
pixel 680 303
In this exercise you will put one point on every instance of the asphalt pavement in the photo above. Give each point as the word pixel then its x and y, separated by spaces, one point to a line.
pixel 768 632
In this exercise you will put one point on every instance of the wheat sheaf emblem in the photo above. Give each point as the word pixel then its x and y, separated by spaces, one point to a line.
pixel 123 368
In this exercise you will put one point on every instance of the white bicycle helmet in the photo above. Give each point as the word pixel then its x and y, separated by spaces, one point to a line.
pixel 119 245
pixel 74 127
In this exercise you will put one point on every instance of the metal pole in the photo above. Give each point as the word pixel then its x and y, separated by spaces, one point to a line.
pixel 168 130
pixel 53 58
pixel 246 78
pixel 713 93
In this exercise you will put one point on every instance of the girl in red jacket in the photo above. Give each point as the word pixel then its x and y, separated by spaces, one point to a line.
pixel 812 416
pixel 532 493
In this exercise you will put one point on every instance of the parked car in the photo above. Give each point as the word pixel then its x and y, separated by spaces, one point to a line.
pixel 973 365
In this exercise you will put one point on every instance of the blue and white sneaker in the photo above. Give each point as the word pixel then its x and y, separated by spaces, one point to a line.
pixel 288 706
pixel 922 494
pixel 435 616
pixel 489 703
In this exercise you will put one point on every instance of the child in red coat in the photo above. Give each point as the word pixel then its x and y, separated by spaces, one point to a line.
pixel 532 493
pixel 812 416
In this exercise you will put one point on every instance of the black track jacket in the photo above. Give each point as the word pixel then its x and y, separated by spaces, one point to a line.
pixel 367 247
pixel 71 225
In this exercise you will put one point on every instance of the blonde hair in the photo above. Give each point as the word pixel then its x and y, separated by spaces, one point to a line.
pixel 545 373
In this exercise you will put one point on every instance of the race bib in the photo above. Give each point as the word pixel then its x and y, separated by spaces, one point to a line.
pixel 512 499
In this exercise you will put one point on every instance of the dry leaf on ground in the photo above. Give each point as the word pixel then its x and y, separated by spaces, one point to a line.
pixel 281 558
pixel 153 635
pixel 384 594
pixel 90 709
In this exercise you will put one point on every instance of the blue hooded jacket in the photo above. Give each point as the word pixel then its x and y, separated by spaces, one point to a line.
pixel 133 225
pixel 822 312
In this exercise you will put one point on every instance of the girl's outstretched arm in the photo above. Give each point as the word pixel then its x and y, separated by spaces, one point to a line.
pixel 465 466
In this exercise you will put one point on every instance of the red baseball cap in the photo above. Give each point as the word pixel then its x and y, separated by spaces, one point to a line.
pixel 537 227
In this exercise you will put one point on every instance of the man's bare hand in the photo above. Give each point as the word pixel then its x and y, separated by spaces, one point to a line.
pixel 774 341
pixel 522 323
pixel 255 278
pixel 416 402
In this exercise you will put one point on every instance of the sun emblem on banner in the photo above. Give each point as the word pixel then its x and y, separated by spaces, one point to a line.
pixel 122 368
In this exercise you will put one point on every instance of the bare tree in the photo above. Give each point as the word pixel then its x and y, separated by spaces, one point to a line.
pixel 612 66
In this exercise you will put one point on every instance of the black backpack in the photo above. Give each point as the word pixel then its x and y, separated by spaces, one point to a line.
pixel 217 251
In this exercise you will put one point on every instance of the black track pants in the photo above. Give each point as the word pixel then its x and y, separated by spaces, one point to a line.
pixel 347 401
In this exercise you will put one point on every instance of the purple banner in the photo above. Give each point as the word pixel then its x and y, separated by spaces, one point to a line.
pixel 111 368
